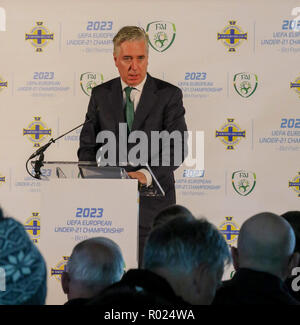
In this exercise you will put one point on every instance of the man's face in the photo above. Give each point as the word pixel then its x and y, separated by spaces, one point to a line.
pixel 131 59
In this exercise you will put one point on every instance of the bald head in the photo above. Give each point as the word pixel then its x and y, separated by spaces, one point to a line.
pixel 266 243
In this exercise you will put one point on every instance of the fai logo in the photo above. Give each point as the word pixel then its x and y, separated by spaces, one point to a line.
pixel 295 184
pixel 3 84
pixel 230 134
pixel 89 80
pixel 296 85
pixel 33 226
pixel 232 36
pixel 245 83
pixel 39 36
pixel 230 230
pixel 2 179
pixel 37 132
pixel 243 182
pixel 60 267
pixel 161 35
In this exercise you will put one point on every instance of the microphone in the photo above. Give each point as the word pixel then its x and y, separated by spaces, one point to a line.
pixel 41 149
pixel 44 147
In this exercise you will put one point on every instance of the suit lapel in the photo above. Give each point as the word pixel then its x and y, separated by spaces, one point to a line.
pixel 146 103
pixel 116 100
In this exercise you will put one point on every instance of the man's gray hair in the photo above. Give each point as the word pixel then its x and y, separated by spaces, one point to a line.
pixel 183 244
pixel 96 262
pixel 130 33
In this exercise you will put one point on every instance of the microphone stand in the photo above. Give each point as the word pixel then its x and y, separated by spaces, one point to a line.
pixel 38 164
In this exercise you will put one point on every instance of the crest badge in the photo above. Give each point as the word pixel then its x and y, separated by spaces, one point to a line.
pixel 33 227
pixel 230 230
pixel 295 184
pixel 232 36
pixel 161 35
pixel 89 80
pixel 230 134
pixel 296 85
pixel 245 83
pixel 2 179
pixel 39 36
pixel 3 84
pixel 60 267
pixel 37 131
pixel 243 182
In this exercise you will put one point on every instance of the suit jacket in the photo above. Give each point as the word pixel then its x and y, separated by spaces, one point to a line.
pixel 139 288
pixel 249 287
pixel 160 108
pixel 288 284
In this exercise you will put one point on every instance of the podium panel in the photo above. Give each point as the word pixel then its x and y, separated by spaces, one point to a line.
pixel 77 209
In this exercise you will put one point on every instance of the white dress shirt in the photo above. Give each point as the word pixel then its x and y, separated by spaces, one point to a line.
pixel 135 96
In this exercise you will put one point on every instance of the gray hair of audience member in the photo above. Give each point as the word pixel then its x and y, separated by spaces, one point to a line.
pixel 96 262
pixel 170 213
pixel 182 244
pixel 266 243
pixel 293 218
pixel 130 33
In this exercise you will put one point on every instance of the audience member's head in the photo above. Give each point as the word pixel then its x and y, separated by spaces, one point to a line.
pixel 190 254
pixel 93 265
pixel 266 243
pixel 293 218
pixel 23 269
pixel 170 213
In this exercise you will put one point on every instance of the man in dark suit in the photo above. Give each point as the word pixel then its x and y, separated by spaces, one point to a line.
pixel 146 104
pixel 263 260
pixel 293 218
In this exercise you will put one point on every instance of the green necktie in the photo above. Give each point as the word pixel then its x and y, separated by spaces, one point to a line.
pixel 129 108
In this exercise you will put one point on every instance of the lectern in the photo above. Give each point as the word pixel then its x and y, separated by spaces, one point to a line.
pixel 80 201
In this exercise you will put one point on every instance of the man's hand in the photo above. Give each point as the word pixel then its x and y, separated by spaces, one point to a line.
pixel 139 176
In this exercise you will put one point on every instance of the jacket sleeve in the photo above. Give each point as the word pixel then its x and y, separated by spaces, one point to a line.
pixel 88 146
pixel 176 152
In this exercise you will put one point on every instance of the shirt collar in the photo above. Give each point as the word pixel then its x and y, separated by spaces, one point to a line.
pixel 138 87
